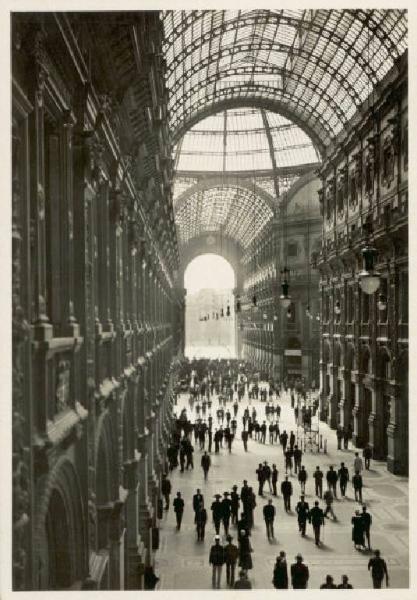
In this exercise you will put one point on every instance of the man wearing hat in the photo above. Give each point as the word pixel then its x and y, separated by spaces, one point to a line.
pixel 216 559
pixel 198 498
pixel 316 518
pixel 200 521
pixel 205 464
pixel 234 497
pixel 299 574
pixel 280 577
pixel 302 510
pixel 243 582
pixel 178 505
pixel 286 491
pixel 269 516
pixel 217 510
pixel 231 554
pixel 226 510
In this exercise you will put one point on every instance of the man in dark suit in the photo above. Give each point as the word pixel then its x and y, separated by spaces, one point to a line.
pixel 178 505
pixel 198 499
pixel 343 478
pixel 316 518
pixel 302 510
pixel 226 511
pixel 299 574
pixel 234 498
pixel 217 511
pixel 286 491
pixel 166 490
pixel 269 516
pixel 367 522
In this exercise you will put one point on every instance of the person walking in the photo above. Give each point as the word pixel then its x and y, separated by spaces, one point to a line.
pixel 234 498
pixel 243 582
pixel 231 554
pixel 245 549
pixel 302 510
pixel 378 568
pixel 299 574
pixel 286 491
pixel 367 455
pixel 367 522
pixel 216 559
pixel 328 499
pixel 263 433
pixel 357 463
pixel 347 434
pixel 242 525
pixel 280 576
pixel 271 429
pixel 267 474
pixel 339 435
pixel 269 516
pixel 284 440
pixel 261 479
pixel 302 478
pixel 318 481
pixel 226 511
pixel 329 583
pixel 288 460
pixel 205 464
pixel 200 522
pixel 245 436
pixel 297 454
pixel 217 512
pixel 198 499
pixel 292 440
pixel 178 505
pixel 358 536
pixel 166 490
pixel 345 585
pixel 357 486
pixel 274 479
pixel 210 438
pixel 316 518
pixel 331 477
pixel 343 474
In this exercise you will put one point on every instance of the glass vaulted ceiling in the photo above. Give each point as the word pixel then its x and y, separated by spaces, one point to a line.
pixel 241 140
pixel 314 66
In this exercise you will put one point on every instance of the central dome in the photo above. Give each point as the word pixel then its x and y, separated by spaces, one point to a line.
pixel 241 139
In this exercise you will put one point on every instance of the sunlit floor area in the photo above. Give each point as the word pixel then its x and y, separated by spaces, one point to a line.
pixel 182 562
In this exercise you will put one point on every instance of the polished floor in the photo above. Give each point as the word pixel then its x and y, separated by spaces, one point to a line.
pixel 182 562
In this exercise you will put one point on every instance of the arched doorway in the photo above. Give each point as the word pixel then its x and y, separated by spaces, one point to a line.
pixel 60 568
pixel 210 323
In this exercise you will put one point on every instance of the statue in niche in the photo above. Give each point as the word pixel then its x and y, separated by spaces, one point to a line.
pixel 369 171
pixel 388 161
pixel 329 198
pixel 62 393
pixel 341 189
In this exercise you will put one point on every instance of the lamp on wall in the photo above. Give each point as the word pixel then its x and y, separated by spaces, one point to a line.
pixel 337 309
pixel 369 279
pixel 285 298
pixel 289 313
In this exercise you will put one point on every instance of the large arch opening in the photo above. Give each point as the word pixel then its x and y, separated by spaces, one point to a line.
pixel 210 322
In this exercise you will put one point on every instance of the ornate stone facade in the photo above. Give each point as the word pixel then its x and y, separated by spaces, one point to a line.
pixel 97 319
pixel 364 342
pixel 280 341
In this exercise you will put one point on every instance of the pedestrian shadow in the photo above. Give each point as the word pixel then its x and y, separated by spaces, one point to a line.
pixel 324 547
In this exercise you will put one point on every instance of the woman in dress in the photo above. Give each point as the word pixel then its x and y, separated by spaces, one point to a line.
pixel 358 536
pixel 280 577
pixel 245 549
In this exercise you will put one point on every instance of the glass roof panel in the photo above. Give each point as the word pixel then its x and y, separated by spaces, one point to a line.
pixel 244 143
pixel 355 48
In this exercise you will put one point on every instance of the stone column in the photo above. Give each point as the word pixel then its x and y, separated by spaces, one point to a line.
pixel 376 423
pixel 332 416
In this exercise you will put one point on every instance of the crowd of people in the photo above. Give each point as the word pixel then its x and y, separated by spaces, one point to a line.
pixel 235 508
